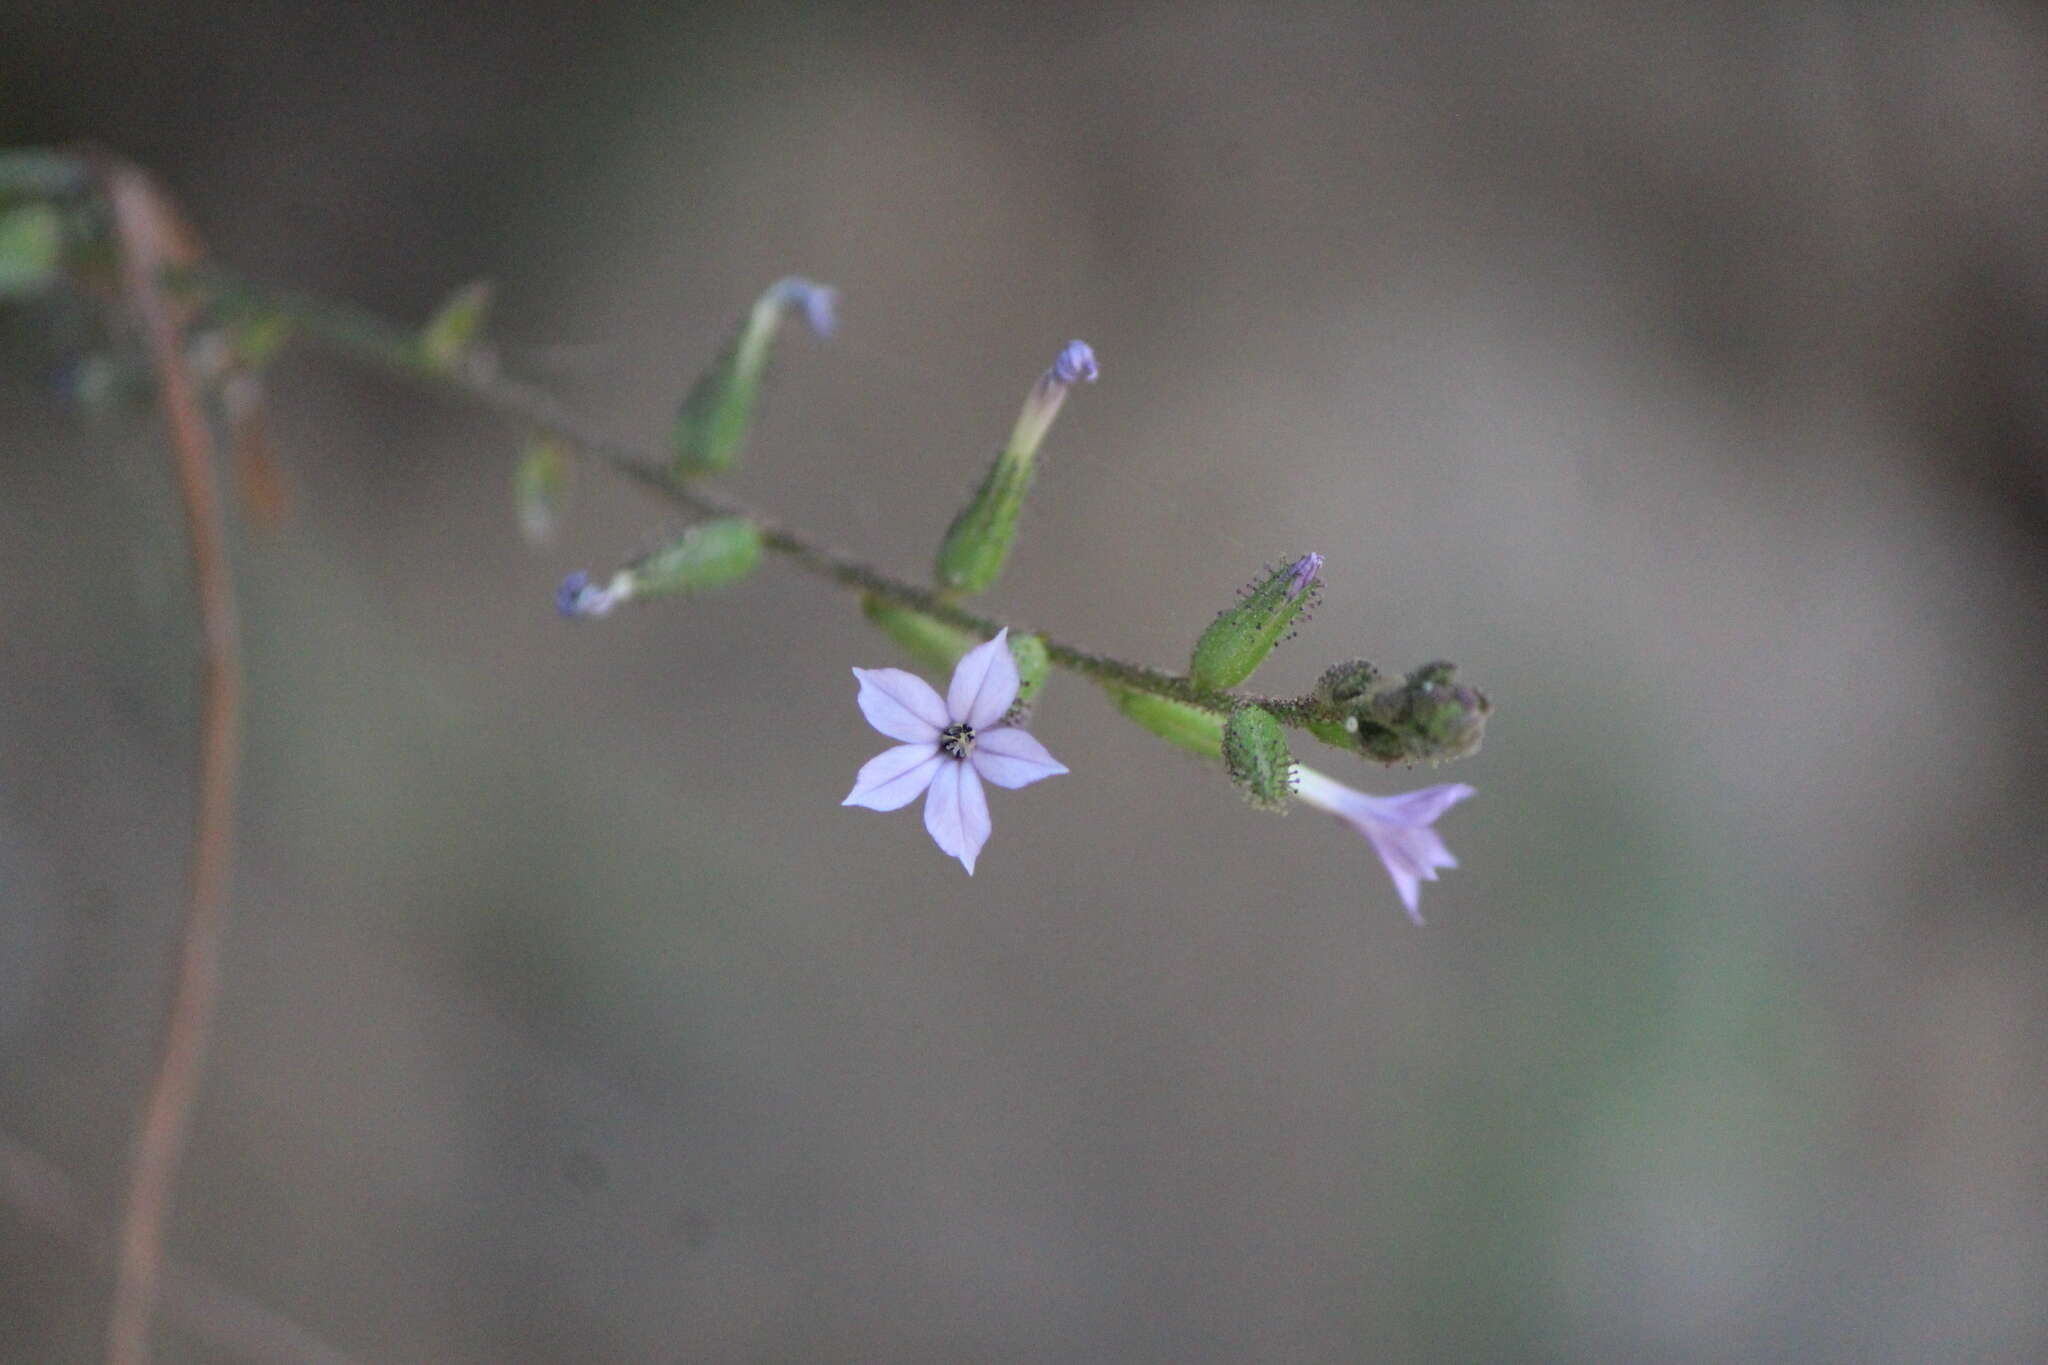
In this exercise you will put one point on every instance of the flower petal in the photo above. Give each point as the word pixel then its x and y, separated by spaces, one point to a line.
pixel 1419 807
pixel 1399 827
pixel 984 683
pixel 901 705
pixel 1411 856
pixel 896 777
pixel 1010 757
pixel 1411 892
pixel 956 814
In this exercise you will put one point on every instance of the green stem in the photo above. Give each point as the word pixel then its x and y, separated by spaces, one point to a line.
pixel 371 338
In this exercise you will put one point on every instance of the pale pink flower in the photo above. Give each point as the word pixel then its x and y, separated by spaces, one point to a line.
pixel 1400 827
pixel 951 744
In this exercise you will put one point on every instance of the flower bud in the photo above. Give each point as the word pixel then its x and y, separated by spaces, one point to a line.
pixel 1255 752
pixel 1345 683
pixel 1428 717
pixel 713 420
pixel 708 555
pixel 450 336
pixel 1075 364
pixel 978 542
pixel 1190 727
pixel 1241 637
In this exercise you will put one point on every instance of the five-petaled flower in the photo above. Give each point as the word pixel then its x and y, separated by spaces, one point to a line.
pixel 951 744
pixel 1400 827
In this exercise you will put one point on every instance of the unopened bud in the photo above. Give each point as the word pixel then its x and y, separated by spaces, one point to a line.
pixel 1255 752
pixel 1241 637
pixel 708 555
pixel 713 421
pixel 1429 717
pixel 978 542
pixel 1075 364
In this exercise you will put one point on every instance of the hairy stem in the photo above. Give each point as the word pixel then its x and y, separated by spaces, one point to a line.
pixel 394 348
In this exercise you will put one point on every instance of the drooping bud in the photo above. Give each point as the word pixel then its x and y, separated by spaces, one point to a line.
pixel 31 249
pixel 1428 717
pixel 713 420
pixel 1190 727
pixel 1255 752
pixel 1241 637
pixel 450 337
pixel 540 489
pixel 936 647
pixel 1075 364
pixel 978 542
pixel 708 555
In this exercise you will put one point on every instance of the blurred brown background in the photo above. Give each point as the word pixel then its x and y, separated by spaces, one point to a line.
pixel 1683 376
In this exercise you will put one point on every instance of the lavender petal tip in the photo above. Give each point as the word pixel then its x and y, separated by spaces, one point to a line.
pixel 1075 363
pixel 1302 574
pixel 820 303
pixel 569 597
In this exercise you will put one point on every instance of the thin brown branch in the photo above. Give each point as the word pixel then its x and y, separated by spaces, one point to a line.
pixel 151 238
pixel 233 1322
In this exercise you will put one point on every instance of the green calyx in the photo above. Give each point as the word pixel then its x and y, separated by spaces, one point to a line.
pixel 936 647
pixel 1241 637
pixel 708 555
pixel 712 423
pixel 977 544
pixel 1255 753
pixel 1189 727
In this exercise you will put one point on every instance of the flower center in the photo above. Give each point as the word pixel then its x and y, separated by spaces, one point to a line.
pixel 957 739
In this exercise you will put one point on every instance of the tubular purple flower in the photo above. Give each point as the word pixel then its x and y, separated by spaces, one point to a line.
pixel 1400 828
